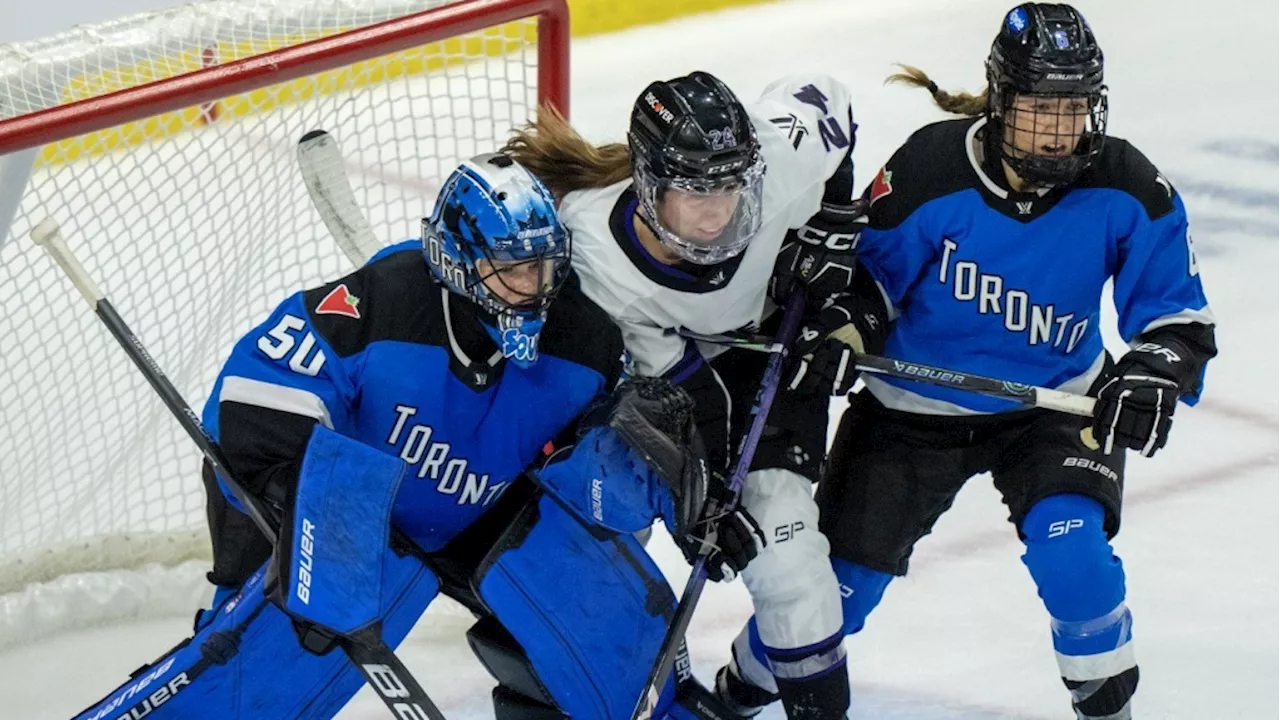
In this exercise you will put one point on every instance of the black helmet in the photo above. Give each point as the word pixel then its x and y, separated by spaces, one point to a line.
pixel 1046 51
pixel 691 136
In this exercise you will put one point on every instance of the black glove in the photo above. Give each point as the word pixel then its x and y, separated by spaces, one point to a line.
pixel 1135 405
pixel 655 419
pixel 733 537
pixel 819 255
pixel 847 325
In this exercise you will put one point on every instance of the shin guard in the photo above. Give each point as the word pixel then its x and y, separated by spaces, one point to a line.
pixel 1082 584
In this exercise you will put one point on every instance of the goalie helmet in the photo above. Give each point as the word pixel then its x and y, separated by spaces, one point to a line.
pixel 1046 54
pixel 697 167
pixel 494 238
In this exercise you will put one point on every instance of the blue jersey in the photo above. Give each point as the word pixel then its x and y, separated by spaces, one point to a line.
pixel 386 356
pixel 984 280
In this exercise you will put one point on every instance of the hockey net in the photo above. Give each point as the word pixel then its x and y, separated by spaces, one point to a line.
pixel 164 146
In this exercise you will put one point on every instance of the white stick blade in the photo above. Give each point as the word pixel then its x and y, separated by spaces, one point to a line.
pixel 323 171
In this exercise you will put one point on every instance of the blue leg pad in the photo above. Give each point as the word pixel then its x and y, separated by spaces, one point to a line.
pixel 1079 578
pixel 861 590
pixel 588 611
pixel 245 660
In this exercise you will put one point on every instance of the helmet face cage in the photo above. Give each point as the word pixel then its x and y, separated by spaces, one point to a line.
pixel 1046 101
pixel 495 224
pixel 1049 139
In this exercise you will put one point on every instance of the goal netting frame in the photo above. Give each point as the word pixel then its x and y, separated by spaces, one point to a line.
pixel 163 144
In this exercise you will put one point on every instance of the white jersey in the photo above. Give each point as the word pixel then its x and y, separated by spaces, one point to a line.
pixel 804 126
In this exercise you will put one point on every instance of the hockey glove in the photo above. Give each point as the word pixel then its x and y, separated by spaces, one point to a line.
pixel 1135 406
pixel 827 344
pixel 732 537
pixel 655 418
pixel 819 255
pixel 638 457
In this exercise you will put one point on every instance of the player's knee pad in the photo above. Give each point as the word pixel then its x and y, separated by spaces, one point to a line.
pixel 588 610
pixel 792 584
pixel 1075 571
pixel 247 661
pixel 860 591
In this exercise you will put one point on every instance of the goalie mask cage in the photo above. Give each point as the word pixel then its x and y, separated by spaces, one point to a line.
pixel 164 144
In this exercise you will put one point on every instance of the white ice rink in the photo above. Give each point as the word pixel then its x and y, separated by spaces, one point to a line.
pixel 1194 86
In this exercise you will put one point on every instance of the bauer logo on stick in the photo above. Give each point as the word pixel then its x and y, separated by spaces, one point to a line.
pixel 340 301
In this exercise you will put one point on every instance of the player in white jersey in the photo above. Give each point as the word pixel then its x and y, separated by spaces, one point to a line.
pixel 703 222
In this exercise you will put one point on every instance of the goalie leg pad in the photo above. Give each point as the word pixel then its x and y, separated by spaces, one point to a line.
pixel 589 612
pixel 247 662
pixel 332 575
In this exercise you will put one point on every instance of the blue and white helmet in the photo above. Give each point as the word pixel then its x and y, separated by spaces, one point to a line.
pixel 494 238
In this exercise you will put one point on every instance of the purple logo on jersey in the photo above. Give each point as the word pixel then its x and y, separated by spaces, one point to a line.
pixel 1017 20
pixel 1061 40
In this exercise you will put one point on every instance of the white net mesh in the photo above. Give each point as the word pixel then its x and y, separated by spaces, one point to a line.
pixel 195 223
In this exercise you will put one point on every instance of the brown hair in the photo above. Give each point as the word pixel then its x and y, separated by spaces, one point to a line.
pixel 553 151
pixel 961 103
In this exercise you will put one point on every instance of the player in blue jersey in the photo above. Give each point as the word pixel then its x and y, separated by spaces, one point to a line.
pixel 991 238
pixel 413 400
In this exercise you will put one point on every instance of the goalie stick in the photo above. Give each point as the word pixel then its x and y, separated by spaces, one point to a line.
pixel 381 668
pixel 673 640
pixel 324 173
pixel 1030 395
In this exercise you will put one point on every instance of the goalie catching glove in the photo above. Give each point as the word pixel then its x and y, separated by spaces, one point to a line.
pixel 638 457
pixel 656 413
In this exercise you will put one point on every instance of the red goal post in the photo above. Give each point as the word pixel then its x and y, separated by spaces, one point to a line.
pixel 163 144
pixel 289 63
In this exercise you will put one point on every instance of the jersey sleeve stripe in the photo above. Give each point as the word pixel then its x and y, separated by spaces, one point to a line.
pixel 1204 316
pixel 248 391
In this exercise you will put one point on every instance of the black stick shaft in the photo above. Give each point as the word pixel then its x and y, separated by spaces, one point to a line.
pixel 1031 395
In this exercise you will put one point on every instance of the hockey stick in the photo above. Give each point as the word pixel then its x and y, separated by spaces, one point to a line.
pixel 381 668
pixel 698 574
pixel 1030 395
pixel 320 160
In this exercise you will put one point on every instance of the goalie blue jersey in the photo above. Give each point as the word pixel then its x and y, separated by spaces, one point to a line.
pixel 992 282
pixel 386 356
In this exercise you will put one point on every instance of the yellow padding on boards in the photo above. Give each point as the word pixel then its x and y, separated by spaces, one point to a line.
pixel 592 17
pixel 587 17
